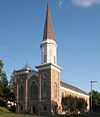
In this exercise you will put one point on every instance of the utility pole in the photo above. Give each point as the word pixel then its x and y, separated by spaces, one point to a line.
pixel 91 93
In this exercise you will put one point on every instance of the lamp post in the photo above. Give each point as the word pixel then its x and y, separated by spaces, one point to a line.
pixel 91 93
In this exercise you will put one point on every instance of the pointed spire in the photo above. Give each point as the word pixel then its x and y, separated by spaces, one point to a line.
pixel 26 67
pixel 48 27
pixel 26 63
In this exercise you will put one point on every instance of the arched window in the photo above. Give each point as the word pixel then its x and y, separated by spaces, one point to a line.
pixel 34 91
pixel 44 87
pixel 55 89
pixel 31 92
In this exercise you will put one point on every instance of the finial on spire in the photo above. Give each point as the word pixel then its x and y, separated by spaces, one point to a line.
pixel 47 3
pixel 26 63
pixel 48 27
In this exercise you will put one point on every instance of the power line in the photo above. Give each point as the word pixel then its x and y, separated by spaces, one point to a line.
pixel 6 56
pixel 13 46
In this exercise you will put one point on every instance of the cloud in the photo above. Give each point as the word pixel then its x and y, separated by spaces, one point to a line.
pixel 85 3
pixel 60 3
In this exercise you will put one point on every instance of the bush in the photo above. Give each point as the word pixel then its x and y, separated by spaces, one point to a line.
pixel 81 105
pixel 73 104
pixel 96 101
pixel 3 109
pixel 13 109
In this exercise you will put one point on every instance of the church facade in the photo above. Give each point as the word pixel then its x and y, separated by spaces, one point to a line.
pixel 40 91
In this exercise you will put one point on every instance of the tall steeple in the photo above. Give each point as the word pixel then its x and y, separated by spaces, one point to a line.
pixel 48 27
pixel 48 45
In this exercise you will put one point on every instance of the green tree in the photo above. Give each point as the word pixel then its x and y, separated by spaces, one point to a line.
pixel 5 90
pixel 73 104
pixel 4 80
pixel 1 86
pixel 13 88
pixel 4 87
pixel 65 104
pixel 1 67
pixel 69 104
pixel 96 101
pixel 81 104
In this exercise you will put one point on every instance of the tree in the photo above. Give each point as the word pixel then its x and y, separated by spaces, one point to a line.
pixel 73 104
pixel 54 108
pixel 13 88
pixel 1 66
pixel 1 86
pixel 4 80
pixel 81 105
pixel 4 87
pixel 96 101
pixel 5 90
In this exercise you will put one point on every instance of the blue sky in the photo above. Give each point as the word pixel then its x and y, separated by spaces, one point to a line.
pixel 76 26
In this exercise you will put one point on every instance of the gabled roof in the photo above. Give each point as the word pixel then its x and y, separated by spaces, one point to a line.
pixel 48 27
pixel 68 86
pixel 26 67
pixel 33 73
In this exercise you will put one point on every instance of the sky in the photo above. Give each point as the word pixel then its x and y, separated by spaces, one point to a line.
pixel 76 25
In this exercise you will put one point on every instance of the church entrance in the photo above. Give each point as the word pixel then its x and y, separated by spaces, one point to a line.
pixel 33 109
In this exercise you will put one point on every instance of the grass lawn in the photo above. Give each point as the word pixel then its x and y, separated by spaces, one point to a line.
pixel 6 113
pixel 2 114
pixel 3 109
pixel 13 115
pixel 84 115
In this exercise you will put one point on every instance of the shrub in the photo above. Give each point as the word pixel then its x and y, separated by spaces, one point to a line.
pixel 73 104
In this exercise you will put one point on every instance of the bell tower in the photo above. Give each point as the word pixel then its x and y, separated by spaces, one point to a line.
pixel 48 45
pixel 49 71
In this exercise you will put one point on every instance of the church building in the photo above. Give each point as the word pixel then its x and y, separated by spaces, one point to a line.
pixel 39 91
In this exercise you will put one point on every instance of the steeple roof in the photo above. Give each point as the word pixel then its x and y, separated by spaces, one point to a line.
pixel 48 27
pixel 26 67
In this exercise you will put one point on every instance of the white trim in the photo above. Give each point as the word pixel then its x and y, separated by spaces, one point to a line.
pixel 24 72
pixel 21 72
pixel 43 68
pixel 49 66
pixel 55 67
pixel 72 91
pixel 49 41
pixel 49 48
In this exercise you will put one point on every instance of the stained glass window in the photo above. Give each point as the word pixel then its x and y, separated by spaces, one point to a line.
pixel 34 91
pixel 55 89
pixel 44 87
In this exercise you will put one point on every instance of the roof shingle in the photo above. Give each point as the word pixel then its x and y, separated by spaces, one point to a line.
pixel 48 27
pixel 65 85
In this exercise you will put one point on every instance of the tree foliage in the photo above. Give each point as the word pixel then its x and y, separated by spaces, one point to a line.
pixel 96 101
pixel 13 89
pixel 81 104
pixel 5 90
pixel 1 67
pixel 73 104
